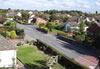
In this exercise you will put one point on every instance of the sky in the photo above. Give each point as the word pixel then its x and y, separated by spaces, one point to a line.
pixel 81 5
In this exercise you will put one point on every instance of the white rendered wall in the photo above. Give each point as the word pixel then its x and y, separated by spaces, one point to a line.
pixel 6 58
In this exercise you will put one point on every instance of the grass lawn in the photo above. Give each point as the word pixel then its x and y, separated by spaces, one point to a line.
pixel 32 57
pixel 57 31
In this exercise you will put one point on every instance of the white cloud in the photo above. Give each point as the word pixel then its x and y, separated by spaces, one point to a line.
pixel 98 2
pixel 47 4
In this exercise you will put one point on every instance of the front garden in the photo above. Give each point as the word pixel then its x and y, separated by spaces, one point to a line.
pixel 10 31
pixel 33 58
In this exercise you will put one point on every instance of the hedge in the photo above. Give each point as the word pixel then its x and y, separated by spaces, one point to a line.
pixel 63 60
pixel 6 27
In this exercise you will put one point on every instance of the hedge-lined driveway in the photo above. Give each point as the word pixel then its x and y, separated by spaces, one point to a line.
pixel 72 51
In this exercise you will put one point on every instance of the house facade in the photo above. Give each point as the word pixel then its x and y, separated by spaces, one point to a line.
pixel 94 30
pixel 38 20
pixel 72 23
pixel 11 13
pixel 7 53
pixel 19 14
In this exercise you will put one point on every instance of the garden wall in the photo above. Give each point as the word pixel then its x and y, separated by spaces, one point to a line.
pixel 65 61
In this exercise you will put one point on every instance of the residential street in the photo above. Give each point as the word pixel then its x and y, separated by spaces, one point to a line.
pixel 79 54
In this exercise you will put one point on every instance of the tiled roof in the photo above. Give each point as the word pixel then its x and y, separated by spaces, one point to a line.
pixel 98 24
pixel 6 45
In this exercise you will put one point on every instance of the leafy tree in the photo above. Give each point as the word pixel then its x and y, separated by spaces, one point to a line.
pixel 53 12
pixel 82 28
pixel 81 34
pixel 50 26
pixel 2 19
pixel 25 16
pixel 53 17
pixel 68 29
pixel 12 25
pixel 66 18
pixel 13 34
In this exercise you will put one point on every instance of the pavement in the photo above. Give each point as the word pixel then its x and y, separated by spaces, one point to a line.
pixel 81 55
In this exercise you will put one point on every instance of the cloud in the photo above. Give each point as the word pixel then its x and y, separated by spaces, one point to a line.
pixel 84 5
pixel 98 2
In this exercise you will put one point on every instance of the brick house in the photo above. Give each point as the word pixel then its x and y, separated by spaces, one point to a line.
pixel 11 13
pixel 94 30
pixel 39 20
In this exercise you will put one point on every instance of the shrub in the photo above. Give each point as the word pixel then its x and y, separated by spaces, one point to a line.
pixel 45 28
pixel 32 42
pixel 5 34
pixel 20 32
pixel 80 37
pixel 12 26
pixel 20 44
pixel 13 34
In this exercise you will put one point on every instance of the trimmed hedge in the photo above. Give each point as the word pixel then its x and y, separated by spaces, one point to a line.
pixel 63 60
pixel 42 30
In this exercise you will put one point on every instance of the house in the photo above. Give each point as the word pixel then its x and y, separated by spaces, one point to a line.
pixel 31 18
pixel 19 14
pixel 98 18
pixel 39 20
pixel 11 13
pixel 58 21
pixel 90 19
pixel 7 53
pixel 72 23
pixel 30 12
pixel 94 30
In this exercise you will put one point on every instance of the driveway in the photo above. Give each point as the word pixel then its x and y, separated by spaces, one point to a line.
pixel 81 55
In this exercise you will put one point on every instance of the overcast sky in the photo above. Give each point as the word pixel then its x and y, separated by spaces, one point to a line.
pixel 83 5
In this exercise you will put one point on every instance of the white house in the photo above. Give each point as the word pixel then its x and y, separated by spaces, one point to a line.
pixel 7 53
pixel 19 14
pixel 31 18
pixel 30 12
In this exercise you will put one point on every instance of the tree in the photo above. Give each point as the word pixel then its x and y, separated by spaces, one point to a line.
pixel 50 26
pixel 81 34
pixel 68 29
pixel 66 18
pixel 13 34
pixel 82 28
pixel 53 17
pixel 2 19
pixel 12 25
pixel 25 16
pixel 96 12
pixel 53 12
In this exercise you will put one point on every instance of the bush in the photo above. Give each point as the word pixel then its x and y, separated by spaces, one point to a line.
pixel 20 32
pixel 12 25
pixel 32 42
pixel 5 34
pixel 13 34
pixel 45 28
pixel 80 37
pixel 20 44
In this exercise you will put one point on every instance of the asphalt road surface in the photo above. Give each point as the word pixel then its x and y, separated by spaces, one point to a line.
pixel 79 54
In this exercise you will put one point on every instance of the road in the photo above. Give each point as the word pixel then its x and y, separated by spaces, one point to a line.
pixel 79 54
